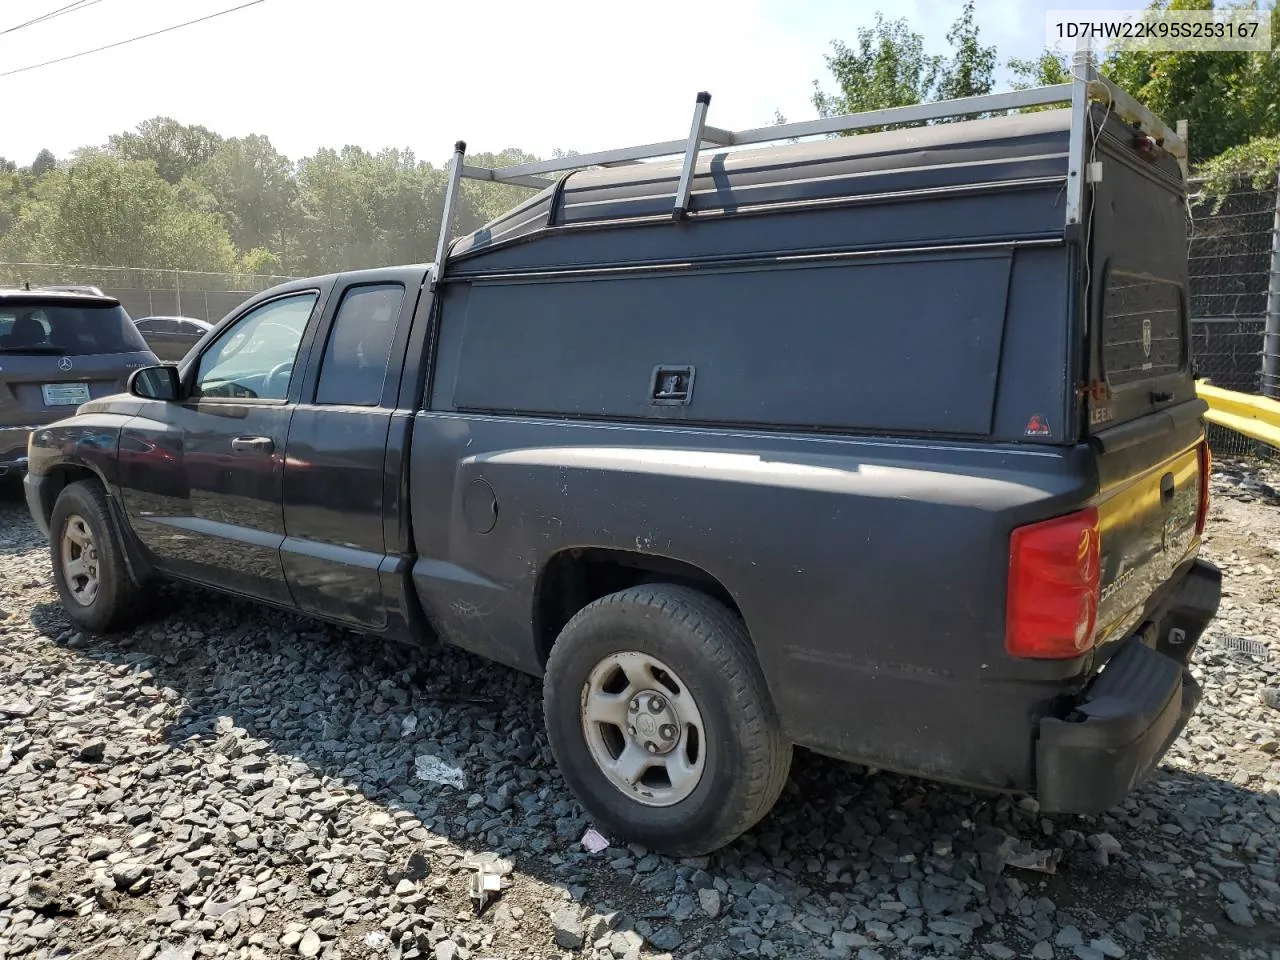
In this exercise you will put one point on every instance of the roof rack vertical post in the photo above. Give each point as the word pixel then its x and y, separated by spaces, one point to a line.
pixel 446 216
pixel 1181 127
pixel 691 155
pixel 1081 74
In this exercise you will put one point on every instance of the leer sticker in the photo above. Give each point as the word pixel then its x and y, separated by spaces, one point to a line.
pixel 1038 426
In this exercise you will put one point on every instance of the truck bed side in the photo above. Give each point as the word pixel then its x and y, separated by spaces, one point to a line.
pixel 894 552
pixel 867 551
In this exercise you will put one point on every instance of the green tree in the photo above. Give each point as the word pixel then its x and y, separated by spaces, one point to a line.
pixel 104 211
pixel 259 262
pixel 176 196
pixel 358 209
pixel 1255 162
pixel 1047 70
pixel 13 197
pixel 251 186
pixel 176 149
pixel 43 163
pixel 886 67
pixel 970 71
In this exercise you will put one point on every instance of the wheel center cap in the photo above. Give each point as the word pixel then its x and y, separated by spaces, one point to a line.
pixel 654 723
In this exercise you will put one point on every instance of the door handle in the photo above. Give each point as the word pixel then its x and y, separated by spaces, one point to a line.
pixel 253 444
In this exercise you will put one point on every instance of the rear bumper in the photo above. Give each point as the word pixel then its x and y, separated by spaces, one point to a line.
pixel 1125 720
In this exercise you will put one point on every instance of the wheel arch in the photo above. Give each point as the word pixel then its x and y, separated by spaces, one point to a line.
pixel 57 477
pixel 576 576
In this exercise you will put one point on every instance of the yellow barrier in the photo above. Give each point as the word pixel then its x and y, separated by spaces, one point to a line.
pixel 1256 417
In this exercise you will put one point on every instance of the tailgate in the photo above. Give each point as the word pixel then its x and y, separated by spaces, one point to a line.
pixel 1142 412
pixel 1148 525
pixel 1139 331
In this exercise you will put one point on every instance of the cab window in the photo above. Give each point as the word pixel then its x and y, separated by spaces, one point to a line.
pixel 254 357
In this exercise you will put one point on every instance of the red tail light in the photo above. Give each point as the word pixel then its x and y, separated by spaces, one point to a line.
pixel 1053 587
pixel 1206 472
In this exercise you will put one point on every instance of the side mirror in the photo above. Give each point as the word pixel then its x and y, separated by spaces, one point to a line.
pixel 155 383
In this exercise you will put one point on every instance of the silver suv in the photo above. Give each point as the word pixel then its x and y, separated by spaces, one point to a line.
pixel 59 349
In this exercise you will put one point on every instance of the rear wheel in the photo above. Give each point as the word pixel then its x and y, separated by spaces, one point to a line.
pixel 89 569
pixel 661 721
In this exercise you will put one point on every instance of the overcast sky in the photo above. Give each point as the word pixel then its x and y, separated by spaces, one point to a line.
pixel 422 74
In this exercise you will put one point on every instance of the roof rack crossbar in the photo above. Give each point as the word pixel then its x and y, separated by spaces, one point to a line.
pixel 485 173
pixel 1130 110
pixel 915 113
pixel 1086 86
pixel 717 136
pixel 601 158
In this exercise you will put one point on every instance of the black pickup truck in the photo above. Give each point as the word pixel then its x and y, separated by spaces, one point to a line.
pixel 884 446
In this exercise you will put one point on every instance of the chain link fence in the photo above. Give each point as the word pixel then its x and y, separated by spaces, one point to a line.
pixel 147 292
pixel 1230 264
pixel 1230 261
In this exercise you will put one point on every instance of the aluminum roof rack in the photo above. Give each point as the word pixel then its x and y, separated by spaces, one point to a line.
pixel 1087 86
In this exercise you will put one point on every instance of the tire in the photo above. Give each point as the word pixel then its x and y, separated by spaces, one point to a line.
pixel 711 693
pixel 115 602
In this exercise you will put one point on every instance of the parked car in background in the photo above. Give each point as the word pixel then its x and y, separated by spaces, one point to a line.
pixel 170 338
pixel 58 350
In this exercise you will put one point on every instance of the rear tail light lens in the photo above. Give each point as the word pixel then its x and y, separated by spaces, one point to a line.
pixel 1053 587
pixel 1206 472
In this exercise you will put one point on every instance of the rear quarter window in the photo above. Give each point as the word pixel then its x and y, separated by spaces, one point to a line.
pixel 359 349
pixel 1142 328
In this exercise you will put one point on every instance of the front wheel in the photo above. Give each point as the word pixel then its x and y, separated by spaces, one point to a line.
pixel 89 569
pixel 661 721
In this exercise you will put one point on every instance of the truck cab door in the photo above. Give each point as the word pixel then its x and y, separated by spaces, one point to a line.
pixel 342 466
pixel 202 478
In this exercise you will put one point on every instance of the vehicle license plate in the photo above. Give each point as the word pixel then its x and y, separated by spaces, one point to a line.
pixel 65 394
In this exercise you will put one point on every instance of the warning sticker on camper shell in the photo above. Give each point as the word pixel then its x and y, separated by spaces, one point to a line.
pixel 1038 426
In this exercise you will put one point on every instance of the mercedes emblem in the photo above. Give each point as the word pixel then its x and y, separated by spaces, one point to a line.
pixel 64 363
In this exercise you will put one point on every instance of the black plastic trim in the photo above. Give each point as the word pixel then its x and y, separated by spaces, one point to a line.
pixel 779 257
pixel 1098 749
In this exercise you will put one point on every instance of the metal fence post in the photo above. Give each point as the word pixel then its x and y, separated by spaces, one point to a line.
pixel 1271 337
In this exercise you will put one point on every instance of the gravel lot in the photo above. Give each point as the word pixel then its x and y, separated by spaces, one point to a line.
pixel 230 781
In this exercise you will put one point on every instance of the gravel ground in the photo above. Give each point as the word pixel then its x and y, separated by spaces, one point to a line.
pixel 229 781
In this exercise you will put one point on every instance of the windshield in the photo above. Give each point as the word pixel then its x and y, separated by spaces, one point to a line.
pixel 67 329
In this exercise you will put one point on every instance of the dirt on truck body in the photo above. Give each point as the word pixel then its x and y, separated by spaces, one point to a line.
pixel 883 445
